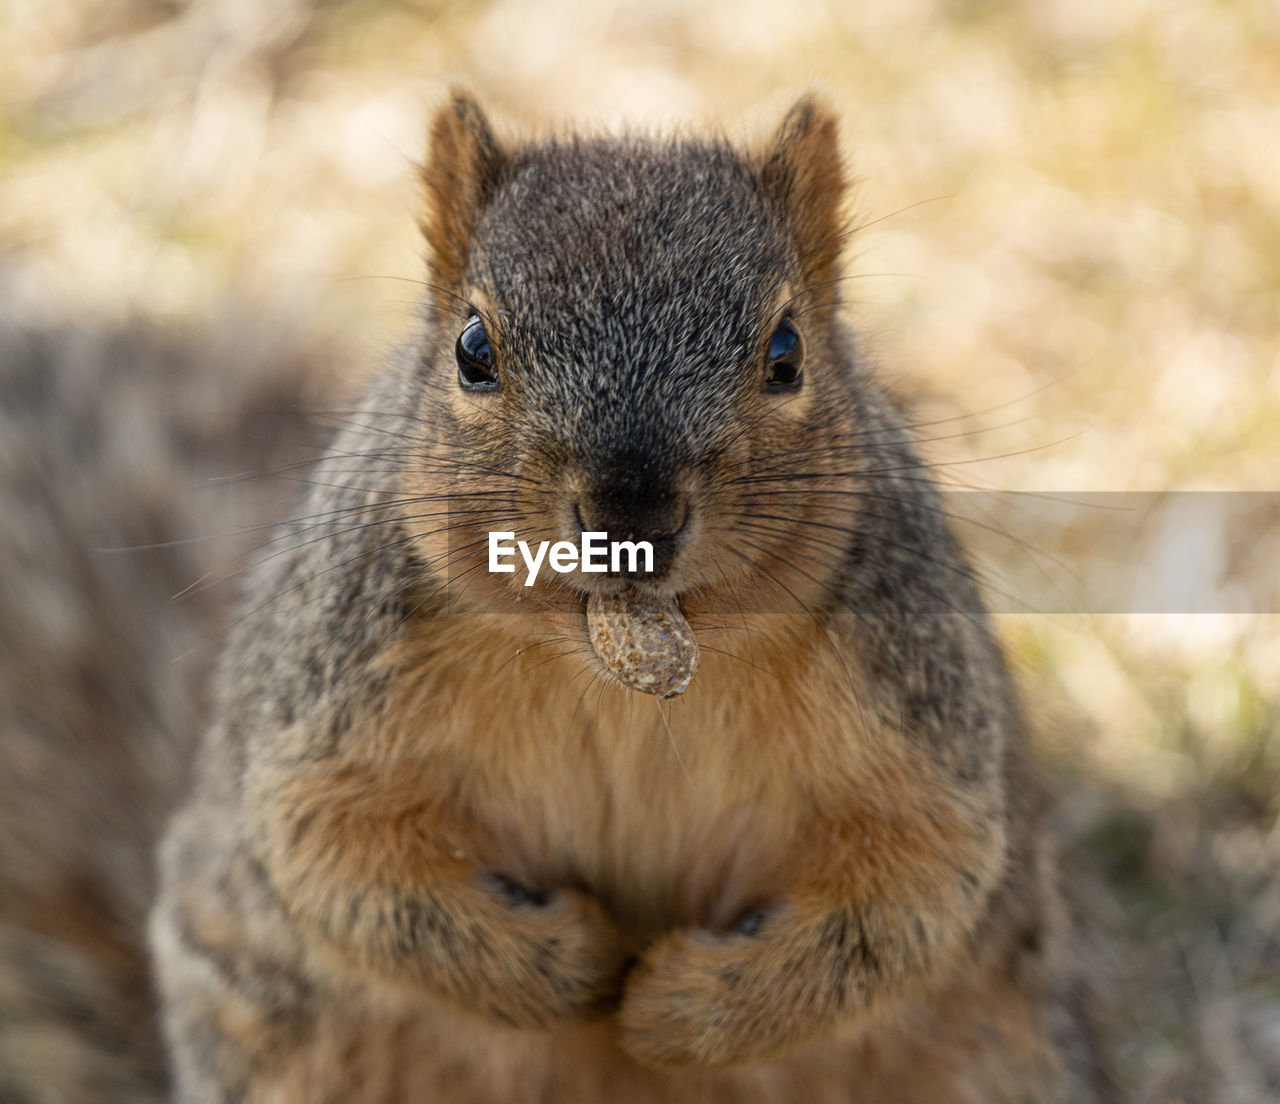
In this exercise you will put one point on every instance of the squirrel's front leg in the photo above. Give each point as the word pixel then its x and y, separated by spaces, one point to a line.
pixel 258 894
pixel 407 888
pixel 886 899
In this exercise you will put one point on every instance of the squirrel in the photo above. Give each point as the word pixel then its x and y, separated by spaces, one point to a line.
pixel 433 849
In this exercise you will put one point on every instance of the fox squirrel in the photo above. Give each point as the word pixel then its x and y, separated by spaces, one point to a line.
pixel 434 850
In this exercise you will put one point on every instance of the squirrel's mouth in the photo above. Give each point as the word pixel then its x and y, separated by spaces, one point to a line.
pixel 642 550
pixel 608 557
pixel 622 586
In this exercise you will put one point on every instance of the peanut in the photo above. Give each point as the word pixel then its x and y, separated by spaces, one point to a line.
pixel 645 643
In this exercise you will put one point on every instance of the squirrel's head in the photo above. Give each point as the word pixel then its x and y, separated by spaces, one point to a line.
pixel 638 337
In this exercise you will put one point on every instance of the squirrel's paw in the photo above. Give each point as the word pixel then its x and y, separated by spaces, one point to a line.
pixel 715 999
pixel 538 957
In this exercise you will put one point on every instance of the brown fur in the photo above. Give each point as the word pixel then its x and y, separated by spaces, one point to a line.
pixel 432 852
pixel 802 169
pixel 457 183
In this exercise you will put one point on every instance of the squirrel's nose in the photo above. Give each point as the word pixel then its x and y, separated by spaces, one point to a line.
pixel 659 520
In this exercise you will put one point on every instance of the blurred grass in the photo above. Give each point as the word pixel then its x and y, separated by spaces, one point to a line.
pixel 1073 249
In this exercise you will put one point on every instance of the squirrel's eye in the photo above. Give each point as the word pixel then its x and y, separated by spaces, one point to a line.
pixel 786 358
pixel 476 368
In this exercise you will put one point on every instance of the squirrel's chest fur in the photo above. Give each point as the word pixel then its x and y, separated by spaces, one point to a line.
pixel 672 813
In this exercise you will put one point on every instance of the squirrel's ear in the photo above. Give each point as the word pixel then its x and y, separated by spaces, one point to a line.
pixel 802 170
pixel 464 162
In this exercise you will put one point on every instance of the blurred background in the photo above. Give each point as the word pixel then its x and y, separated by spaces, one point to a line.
pixel 1070 260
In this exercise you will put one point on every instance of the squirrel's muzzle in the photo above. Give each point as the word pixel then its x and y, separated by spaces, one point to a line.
pixel 630 509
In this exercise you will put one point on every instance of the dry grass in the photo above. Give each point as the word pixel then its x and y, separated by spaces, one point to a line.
pixel 1073 248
